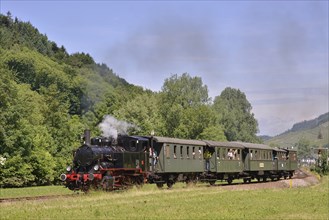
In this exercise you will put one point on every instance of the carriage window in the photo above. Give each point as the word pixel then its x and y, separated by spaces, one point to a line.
pixel 167 151
pixel 218 153
pixel 251 151
pixel 238 154
pixel 293 158
pixel 224 152
pixel 200 153
pixel 188 151
pixel 175 152
pixel 181 152
pixel 193 152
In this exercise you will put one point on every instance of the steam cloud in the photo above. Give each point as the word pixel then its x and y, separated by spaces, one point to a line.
pixel 111 126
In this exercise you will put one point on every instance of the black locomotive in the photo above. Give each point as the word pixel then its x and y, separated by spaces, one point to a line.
pixel 111 164
pixel 107 163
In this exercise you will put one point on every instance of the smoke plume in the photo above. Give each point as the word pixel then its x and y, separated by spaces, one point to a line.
pixel 111 127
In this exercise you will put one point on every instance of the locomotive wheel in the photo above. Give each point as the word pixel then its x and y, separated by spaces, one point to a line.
pixel 85 188
pixel 139 182
pixel 229 180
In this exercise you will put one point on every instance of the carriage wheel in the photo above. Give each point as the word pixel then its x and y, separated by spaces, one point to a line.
pixel 212 182
pixel 170 184
pixel 159 185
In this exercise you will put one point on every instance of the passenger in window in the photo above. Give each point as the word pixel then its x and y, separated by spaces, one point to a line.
pixel 230 154
pixel 155 158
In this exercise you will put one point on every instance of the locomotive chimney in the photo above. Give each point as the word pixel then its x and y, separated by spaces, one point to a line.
pixel 86 136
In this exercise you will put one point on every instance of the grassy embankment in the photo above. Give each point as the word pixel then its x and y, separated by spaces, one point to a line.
pixel 179 203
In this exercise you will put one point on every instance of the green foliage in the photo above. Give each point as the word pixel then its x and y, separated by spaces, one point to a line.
pixel 235 115
pixel 143 112
pixel 215 133
pixel 16 172
pixel 304 147
pixel 184 106
pixel 184 90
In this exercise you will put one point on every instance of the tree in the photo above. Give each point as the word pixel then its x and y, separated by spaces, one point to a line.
pixel 181 98
pixel 235 115
pixel 214 133
pixel 143 111
pixel 184 90
pixel 193 122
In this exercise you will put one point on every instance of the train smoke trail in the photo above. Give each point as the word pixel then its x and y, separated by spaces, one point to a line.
pixel 111 127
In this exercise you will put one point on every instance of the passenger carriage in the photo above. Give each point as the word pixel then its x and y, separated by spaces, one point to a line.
pixel 177 160
pixel 226 162
pixel 258 161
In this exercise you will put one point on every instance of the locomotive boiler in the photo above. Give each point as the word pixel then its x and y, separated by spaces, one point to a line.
pixel 107 163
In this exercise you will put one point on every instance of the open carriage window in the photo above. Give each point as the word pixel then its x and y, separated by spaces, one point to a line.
pixel 175 152
pixel 167 151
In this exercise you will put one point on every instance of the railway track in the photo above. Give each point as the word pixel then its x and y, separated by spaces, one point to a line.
pixel 298 175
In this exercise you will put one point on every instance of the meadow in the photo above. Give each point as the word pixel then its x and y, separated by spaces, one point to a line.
pixel 181 202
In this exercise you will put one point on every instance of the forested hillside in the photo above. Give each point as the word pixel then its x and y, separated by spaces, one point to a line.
pixel 305 135
pixel 48 97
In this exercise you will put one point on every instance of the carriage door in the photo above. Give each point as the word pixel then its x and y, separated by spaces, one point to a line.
pixel 212 160
pixel 246 158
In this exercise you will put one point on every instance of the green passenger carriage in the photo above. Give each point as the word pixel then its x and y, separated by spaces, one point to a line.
pixel 176 160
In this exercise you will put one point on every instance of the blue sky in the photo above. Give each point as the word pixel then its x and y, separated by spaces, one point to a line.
pixel 276 52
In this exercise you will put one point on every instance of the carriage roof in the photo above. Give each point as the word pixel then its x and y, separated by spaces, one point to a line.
pixel 178 141
pixel 224 144
pixel 255 146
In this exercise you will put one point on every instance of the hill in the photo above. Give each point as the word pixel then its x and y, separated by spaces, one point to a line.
pixel 47 98
pixel 307 125
pixel 305 135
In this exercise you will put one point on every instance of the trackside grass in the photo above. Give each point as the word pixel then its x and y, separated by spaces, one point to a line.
pixel 198 202
pixel 33 191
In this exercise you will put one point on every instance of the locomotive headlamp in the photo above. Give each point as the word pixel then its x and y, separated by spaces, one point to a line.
pixel 63 177
pixel 68 168
pixel 96 167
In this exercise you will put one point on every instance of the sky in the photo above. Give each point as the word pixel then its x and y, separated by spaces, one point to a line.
pixel 276 52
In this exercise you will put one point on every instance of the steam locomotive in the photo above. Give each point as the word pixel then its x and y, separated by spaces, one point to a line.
pixel 110 164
